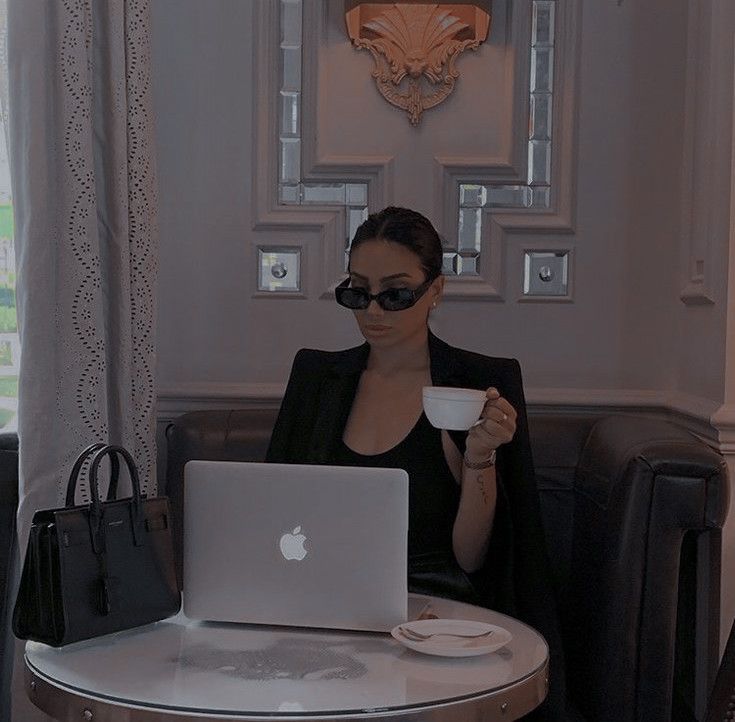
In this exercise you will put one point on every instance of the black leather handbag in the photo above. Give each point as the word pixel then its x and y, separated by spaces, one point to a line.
pixel 97 568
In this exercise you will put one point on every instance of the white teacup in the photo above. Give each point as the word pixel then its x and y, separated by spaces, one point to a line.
pixel 450 408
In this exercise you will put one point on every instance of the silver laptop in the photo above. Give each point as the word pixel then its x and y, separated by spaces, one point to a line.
pixel 304 545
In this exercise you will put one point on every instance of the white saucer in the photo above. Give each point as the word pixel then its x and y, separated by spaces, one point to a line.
pixel 446 646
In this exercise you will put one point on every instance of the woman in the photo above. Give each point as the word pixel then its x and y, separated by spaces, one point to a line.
pixel 474 522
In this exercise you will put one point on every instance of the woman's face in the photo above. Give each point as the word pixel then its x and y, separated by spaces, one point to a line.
pixel 377 265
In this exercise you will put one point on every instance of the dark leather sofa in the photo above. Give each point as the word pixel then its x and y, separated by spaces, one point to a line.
pixel 8 560
pixel 633 507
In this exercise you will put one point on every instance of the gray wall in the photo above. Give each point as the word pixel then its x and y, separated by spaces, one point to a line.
pixel 621 332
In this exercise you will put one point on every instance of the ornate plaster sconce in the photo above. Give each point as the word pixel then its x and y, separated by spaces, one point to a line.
pixel 417 43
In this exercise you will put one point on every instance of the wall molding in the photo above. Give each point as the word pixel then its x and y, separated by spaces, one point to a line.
pixel 376 171
pixel 178 399
pixel 269 216
pixel 725 415
pixel 723 421
pixel 695 286
pixel 498 224
pixel 712 422
pixel 694 413
pixel 509 167
pixel 707 124
pixel 328 223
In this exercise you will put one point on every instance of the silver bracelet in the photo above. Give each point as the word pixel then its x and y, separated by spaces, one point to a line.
pixel 486 464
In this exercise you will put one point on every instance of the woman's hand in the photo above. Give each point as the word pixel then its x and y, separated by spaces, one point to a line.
pixel 496 426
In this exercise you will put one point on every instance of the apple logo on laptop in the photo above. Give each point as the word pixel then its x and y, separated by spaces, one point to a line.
pixel 292 545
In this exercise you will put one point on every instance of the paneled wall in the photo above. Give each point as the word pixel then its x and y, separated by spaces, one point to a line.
pixel 617 162
pixel 640 182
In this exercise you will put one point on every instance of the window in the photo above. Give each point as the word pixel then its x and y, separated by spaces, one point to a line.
pixel 9 342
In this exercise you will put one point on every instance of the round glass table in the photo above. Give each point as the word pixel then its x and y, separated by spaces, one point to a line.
pixel 179 670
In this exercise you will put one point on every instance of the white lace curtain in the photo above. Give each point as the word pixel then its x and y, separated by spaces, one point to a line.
pixel 84 194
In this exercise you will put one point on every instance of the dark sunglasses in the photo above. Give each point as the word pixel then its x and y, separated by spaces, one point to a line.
pixel 392 299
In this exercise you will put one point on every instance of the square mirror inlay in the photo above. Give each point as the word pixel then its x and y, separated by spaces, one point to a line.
pixel 279 269
pixel 546 273
pixel 463 254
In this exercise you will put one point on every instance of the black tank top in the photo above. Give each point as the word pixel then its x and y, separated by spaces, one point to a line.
pixel 433 494
pixel 433 499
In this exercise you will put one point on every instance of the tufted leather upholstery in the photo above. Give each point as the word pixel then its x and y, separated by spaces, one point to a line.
pixel 626 502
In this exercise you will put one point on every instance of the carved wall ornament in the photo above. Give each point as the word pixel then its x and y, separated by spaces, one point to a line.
pixel 415 47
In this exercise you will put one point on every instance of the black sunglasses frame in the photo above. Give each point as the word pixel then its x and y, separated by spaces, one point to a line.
pixel 412 295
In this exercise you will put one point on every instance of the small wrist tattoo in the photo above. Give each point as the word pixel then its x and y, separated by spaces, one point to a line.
pixel 481 484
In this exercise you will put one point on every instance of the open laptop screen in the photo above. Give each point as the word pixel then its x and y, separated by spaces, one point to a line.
pixel 304 545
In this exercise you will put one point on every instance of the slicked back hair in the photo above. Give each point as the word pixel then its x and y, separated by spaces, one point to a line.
pixel 408 228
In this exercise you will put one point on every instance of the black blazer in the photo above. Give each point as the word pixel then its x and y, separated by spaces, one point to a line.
pixel 514 578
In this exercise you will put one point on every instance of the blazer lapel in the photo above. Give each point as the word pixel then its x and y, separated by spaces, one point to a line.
pixel 339 385
pixel 336 395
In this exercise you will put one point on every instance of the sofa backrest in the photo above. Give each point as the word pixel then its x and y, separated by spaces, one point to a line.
pixel 557 441
pixel 243 435
pixel 236 435
pixel 620 495
pixel 8 559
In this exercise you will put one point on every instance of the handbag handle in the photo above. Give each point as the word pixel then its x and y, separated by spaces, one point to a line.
pixel 95 511
pixel 71 487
